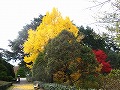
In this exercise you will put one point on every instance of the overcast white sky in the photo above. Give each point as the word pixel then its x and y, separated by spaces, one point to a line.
pixel 14 14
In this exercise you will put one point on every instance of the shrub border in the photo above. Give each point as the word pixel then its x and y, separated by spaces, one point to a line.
pixel 5 86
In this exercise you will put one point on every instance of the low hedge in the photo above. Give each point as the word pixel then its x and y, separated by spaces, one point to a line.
pixel 4 85
pixel 53 86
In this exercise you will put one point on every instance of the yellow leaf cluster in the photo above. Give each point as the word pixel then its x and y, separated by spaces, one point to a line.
pixel 99 68
pixel 62 77
pixel 52 24
pixel 75 76
pixel 59 76
pixel 78 59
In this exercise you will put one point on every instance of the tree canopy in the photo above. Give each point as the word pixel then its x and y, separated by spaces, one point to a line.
pixel 92 39
pixel 6 70
pixel 52 24
pixel 66 60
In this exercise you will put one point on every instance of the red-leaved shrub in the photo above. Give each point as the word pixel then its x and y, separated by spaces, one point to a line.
pixel 101 58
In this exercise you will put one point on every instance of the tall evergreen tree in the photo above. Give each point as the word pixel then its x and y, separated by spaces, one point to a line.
pixel 92 39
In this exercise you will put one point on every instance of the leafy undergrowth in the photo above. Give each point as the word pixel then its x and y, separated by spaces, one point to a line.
pixel 4 85
pixel 2 82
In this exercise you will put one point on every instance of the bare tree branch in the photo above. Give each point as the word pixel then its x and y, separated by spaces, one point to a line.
pixel 100 4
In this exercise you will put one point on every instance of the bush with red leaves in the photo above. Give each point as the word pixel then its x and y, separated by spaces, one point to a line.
pixel 101 58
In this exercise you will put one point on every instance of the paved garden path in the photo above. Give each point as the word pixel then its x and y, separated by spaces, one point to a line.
pixel 23 85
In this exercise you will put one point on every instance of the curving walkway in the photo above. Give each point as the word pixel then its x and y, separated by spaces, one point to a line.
pixel 23 85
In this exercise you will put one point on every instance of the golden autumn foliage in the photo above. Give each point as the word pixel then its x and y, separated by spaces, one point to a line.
pixel 78 59
pixel 59 76
pixel 99 68
pixel 52 24
pixel 62 77
pixel 75 76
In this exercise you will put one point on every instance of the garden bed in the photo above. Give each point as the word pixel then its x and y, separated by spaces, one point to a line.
pixel 4 85
pixel 52 86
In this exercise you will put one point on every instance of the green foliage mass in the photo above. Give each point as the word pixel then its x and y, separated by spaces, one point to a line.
pixel 39 67
pixel 114 58
pixel 6 71
pixel 111 81
pixel 115 73
pixel 92 39
pixel 21 72
pixel 104 42
pixel 60 51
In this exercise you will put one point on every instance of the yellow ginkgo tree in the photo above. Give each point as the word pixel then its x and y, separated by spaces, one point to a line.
pixel 52 24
